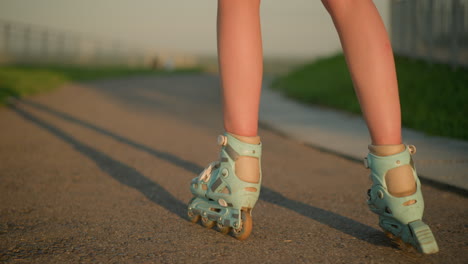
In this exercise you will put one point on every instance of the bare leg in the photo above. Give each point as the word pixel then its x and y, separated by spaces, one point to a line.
pixel 241 68
pixel 370 60
pixel 240 63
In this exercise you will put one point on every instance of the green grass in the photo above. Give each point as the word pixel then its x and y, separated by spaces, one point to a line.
pixel 434 98
pixel 21 80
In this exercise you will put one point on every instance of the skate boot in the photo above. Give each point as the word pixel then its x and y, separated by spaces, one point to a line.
pixel 222 198
pixel 400 211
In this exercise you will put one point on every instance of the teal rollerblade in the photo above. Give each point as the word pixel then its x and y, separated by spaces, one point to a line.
pixel 221 197
pixel 400 217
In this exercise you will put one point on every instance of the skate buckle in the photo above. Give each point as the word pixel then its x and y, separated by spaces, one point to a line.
pixel 366 163
pixel 222 140
pixel 222 202
pixel 412 149
pixel 205 175
pixel 380 194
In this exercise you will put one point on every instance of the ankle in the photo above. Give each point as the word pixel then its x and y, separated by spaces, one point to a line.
pixel 386 150
pixel 248 168
pixel 400 180
pixel 249 140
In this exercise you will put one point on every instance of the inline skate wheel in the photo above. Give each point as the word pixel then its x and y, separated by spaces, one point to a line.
pixel 192 217
pixel 207 222
pixel 223 229
pixel 243 232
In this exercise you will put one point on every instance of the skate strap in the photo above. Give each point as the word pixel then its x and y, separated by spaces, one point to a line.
pixel 235 148
pixel 386 163
pixel 216 184
pixel 379 165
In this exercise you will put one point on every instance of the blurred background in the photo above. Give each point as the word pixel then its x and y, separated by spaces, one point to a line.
pixel 182 33
pixel 49 42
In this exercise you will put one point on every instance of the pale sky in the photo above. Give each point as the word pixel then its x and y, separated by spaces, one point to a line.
pixel 295 28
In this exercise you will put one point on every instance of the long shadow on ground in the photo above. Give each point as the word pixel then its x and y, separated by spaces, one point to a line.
pixel 157 194
pixel 119 171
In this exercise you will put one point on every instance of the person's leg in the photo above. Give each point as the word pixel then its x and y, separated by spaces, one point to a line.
pixel 240 64
pixel 232 184
pixel 370 61
pixel 241 68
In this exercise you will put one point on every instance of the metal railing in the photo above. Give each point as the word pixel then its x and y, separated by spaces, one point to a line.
pixel 433 30
pixel 26 43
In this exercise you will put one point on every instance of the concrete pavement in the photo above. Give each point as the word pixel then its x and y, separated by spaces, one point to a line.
pixel 438 159
pixel 99 172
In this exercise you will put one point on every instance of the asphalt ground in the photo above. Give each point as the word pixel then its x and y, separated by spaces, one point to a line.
pixel 100 172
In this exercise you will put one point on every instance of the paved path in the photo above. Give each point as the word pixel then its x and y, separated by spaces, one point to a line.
pixel 99 172
pixel 441 160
